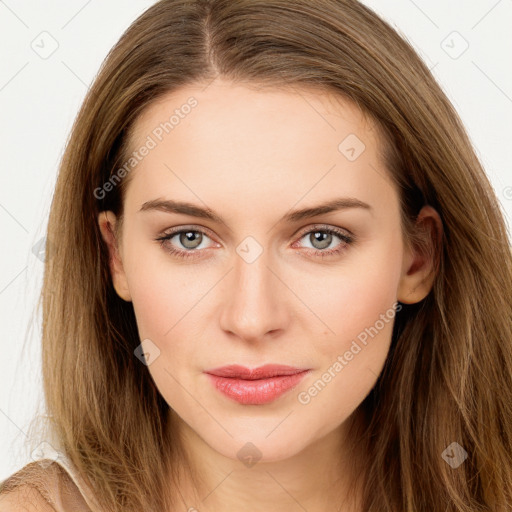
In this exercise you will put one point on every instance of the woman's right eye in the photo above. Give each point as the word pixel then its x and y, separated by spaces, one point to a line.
pixel 187 238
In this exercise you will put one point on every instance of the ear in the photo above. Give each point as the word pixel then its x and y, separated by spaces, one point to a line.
pixel 420 261
pixel 107 223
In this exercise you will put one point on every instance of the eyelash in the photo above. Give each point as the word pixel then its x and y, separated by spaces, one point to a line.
pixel 317 252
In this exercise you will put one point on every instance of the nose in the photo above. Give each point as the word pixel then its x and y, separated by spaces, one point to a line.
pixel 256 305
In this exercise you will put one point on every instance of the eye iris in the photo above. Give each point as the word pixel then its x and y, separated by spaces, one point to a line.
pixel 190 236
pixel 324 238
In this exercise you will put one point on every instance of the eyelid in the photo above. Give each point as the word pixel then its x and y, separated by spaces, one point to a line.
pixel 326 227
pixel 195 227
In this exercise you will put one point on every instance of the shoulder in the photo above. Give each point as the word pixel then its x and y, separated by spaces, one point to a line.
pixel 39 487
pixel 25 498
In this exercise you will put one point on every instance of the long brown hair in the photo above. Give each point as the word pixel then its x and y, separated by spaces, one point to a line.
pixel 448 376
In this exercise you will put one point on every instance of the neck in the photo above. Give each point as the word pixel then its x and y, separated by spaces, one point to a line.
pixel 317 479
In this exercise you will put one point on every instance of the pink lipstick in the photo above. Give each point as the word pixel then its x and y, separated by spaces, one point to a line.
pixel 258 386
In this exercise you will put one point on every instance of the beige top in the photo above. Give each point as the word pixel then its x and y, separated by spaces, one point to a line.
pixel 63 491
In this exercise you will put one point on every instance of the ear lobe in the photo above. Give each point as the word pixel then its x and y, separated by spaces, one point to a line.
pixel 107 222
pixel 420 263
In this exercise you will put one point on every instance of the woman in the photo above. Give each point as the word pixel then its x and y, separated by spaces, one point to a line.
pixel 365 369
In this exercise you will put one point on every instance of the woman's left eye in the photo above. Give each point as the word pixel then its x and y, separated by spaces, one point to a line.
pixel 320 237
pixel 324 236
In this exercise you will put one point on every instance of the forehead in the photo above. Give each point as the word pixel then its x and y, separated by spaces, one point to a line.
pixel 255 141
pixel 222 105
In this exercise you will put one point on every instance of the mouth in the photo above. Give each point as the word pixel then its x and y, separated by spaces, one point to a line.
pixel 255 386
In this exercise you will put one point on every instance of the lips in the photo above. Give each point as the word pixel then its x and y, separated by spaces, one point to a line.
pixel 255 386
pixel 262 372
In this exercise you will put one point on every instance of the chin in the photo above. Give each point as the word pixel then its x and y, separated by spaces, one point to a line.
pixel 256 446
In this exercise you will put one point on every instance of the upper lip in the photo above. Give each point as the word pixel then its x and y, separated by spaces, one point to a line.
pixel 261 372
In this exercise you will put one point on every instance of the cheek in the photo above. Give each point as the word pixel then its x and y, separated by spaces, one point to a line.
pixel 163 293
pixel 159 303
pixel 360 309
pixel 165 301
pixel 351 298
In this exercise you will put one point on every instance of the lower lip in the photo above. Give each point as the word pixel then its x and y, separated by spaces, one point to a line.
pixel 256 392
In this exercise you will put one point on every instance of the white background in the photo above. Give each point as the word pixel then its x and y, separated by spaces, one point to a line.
pixel 39 99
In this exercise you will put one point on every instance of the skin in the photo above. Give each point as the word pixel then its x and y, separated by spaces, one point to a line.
pixel 251 155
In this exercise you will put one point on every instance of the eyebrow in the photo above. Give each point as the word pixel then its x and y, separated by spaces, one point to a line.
pixel 169 206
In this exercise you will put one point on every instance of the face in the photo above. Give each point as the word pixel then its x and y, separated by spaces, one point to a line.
pixel 254 284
